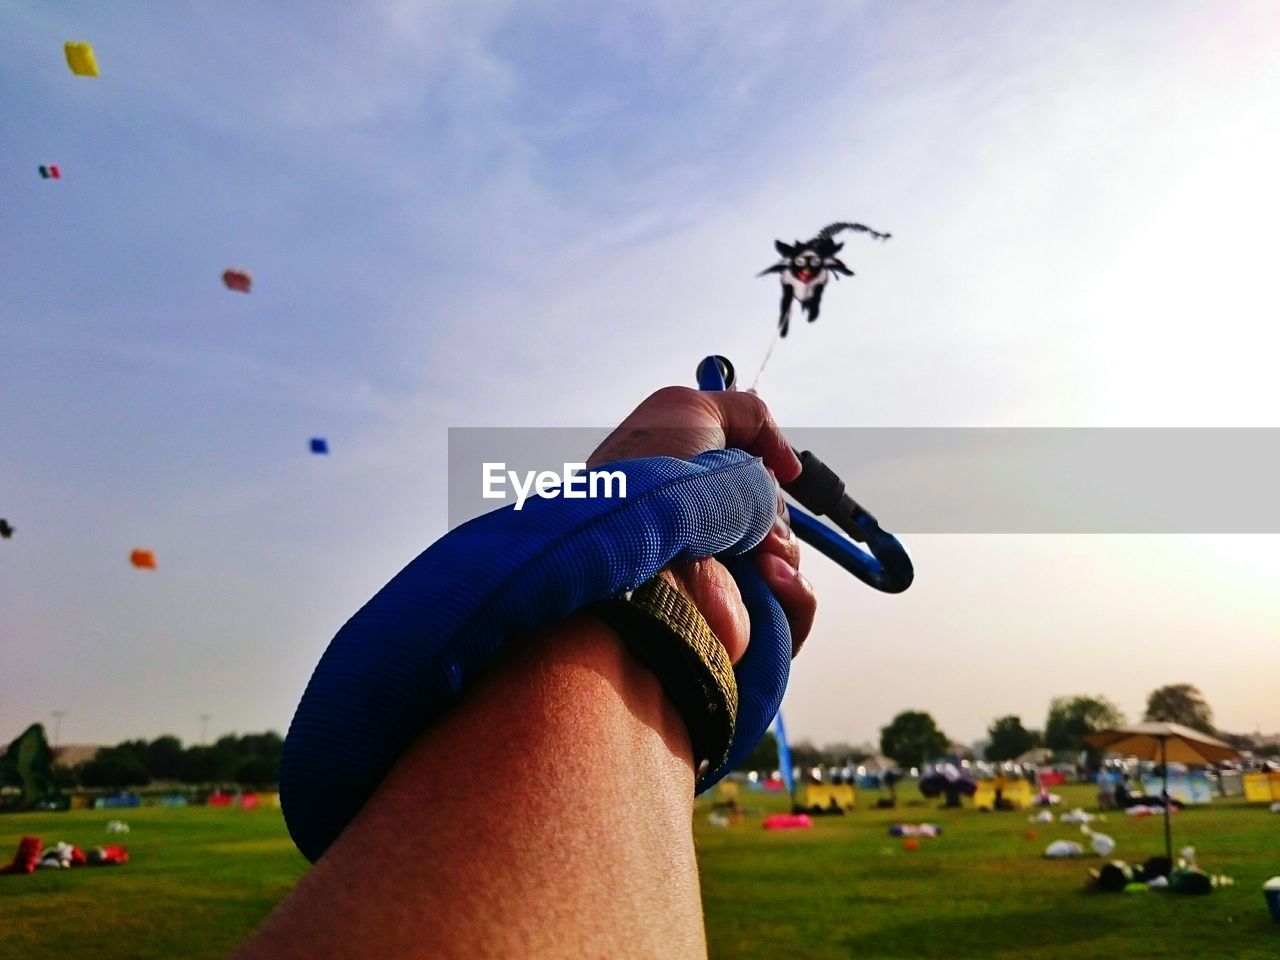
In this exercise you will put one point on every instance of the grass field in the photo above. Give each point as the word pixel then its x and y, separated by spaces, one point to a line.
pixel 200 879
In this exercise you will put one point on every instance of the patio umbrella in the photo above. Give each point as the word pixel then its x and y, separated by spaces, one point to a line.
pixel 1166 743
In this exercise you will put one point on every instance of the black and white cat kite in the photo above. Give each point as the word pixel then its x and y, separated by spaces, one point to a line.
pixel 806 267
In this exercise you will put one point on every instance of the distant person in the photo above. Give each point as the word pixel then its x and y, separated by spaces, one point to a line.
pixel 1107 782
pixel 602 871
pixel 1124 799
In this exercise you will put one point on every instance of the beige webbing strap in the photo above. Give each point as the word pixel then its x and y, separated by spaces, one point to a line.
pixel 666 632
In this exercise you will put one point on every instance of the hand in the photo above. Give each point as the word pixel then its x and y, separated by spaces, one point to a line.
pixel 682 422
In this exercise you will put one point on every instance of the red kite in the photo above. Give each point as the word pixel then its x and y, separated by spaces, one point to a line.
pixel 238 280
pixel 143 559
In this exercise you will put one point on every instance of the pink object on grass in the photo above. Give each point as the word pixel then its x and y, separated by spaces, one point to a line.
pixel 788 821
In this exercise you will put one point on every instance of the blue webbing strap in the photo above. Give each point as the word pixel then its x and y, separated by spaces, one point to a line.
pixel 409 653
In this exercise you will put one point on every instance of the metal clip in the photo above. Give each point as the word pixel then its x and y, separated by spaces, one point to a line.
pixel 884 563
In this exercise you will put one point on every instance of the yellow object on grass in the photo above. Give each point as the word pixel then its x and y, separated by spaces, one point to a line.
pixel 1261 787
pixel 827 796
pixel 81 60
pixel 1012 793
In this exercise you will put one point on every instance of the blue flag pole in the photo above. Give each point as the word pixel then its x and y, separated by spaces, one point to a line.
pixel 784 755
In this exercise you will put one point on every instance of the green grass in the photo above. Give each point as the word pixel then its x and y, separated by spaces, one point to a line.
pixel 847 889
pixel 200 879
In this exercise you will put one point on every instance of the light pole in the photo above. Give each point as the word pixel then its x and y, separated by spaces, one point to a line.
pixel 204 729
pixel 57 725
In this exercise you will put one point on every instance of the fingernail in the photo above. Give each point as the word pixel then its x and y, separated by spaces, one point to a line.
pixel 784 515
pixel 781 569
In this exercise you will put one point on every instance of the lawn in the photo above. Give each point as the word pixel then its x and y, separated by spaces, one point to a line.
pixel 200 879
pixel 982 890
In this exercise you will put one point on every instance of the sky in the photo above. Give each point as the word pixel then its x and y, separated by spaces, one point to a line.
pixel 501 214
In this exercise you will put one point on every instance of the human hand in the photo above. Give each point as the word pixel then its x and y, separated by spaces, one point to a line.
pixel 683 422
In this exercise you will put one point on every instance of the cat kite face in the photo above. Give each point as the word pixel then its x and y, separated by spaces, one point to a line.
pixel 805 261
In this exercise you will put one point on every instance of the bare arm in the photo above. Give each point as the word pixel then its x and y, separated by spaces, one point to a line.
pixel 548 815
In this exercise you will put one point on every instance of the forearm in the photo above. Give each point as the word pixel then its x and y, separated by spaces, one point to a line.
pixel 548 815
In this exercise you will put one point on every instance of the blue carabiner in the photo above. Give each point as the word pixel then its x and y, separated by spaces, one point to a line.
pixel 884 564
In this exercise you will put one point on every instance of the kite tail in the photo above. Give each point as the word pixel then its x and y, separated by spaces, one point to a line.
pixel 833 228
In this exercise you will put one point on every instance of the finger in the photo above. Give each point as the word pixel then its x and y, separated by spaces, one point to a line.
pixel 673 421
pixel 711 589
pixel 683 422
pixel 795 594
pixel 748 425
pixel 782 542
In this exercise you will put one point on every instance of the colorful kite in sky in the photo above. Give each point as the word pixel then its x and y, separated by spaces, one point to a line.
pixel 319 445
pixel 81 60
pixel 143 559
pixel 6 531
pixel 50 173
pixel 238 280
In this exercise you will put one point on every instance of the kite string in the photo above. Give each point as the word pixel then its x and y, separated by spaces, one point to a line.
pixel 777 335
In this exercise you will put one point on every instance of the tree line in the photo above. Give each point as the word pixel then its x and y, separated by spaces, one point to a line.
pixel 913 738
pixel 252 760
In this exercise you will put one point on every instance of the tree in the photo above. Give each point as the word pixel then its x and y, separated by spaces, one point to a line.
pixel 264 746
pixel 1009 739
pixel 136 747
pixel 163 757
pixel 257 772
pixel 805 755
pixel 251 760
pixel 27 766
pixel 1071 718
pixel 763 756
pixel 842 752
pixel 115 768
pixel 912 738
pixel 214 764
pixel 1240 741
pixel 1180 703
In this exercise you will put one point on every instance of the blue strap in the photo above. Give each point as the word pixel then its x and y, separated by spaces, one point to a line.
pixel 409 653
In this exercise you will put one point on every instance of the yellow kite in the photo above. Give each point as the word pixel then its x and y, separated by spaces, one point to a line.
pixel 81 60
